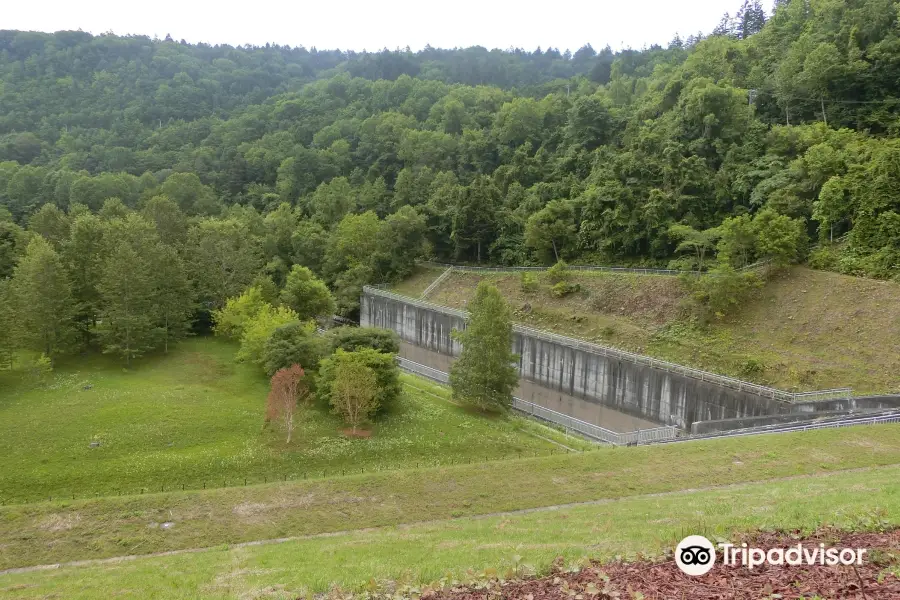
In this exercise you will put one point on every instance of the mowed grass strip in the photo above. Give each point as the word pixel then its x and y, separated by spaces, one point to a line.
pixel 194 418
pixel 426 552
pixel 54 532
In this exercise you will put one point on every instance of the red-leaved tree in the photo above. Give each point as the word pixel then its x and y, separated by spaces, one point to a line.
pixel 288 388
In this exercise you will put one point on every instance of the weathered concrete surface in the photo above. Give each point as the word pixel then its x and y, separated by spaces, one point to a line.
pixel 848 404
pixel 580 408
pixel 644 392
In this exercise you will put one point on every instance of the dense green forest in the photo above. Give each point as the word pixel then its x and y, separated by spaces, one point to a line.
pixel 175 175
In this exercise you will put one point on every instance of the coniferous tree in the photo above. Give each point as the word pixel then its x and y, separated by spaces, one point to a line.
pixel 7 325
pixel 43 299
pixel 127 293
pixel 174 296
pixel 484 375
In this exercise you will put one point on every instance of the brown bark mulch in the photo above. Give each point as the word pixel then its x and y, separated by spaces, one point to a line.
pixel 875 579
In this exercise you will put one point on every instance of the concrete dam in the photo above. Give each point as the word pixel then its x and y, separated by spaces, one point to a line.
pixel 603 386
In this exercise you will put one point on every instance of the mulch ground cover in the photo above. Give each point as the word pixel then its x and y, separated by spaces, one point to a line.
pixel 661 579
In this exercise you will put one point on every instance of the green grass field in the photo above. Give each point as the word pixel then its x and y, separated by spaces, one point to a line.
pixel 57 531
pixel 195 418
pixel 504 544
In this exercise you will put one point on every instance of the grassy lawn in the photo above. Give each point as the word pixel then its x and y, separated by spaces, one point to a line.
pixel 427 552
pixel 805 330
pixel 113 526
pixel 195 417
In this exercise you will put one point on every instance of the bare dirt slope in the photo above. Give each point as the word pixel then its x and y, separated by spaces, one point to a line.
pixel 804 330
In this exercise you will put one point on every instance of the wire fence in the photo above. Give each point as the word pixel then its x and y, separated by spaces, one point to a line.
pixel 655 363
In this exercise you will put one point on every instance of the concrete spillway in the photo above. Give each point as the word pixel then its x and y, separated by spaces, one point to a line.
pixel 559 373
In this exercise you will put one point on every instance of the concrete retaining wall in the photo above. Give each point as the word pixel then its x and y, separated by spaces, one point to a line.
pixel 639 390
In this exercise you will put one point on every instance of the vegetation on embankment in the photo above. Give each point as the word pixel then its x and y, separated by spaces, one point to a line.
pixel 803 330
pixel 112 526
pixel 481 547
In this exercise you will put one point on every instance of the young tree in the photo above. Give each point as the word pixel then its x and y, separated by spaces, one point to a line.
pixel 384 366
pixel 484 375
pixel 288 387
pixel 43 299
pixel 353 393
pixel 306 295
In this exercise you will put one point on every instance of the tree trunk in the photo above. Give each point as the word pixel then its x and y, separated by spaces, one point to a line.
pixel 824 116
pixel 290 428
pixel 555 253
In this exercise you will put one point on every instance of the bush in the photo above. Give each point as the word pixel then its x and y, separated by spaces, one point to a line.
pixel 231 320
pixel 294 343
pixel 563 289
pixel 387 374
pixel 559 272
pixel 529 282
pixel 353 339
pixel 721 291
pixel 258 330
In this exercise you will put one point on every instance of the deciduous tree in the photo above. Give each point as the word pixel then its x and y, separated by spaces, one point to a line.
pixel 288 388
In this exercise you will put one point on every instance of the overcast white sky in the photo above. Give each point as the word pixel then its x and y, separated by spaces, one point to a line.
pixel 374 24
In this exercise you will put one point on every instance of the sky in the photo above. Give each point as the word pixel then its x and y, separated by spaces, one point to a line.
pixel 373 25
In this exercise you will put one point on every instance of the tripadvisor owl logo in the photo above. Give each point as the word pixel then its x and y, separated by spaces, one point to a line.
pixel 695 555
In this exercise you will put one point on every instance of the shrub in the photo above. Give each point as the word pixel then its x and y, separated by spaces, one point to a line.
pixel 559 272
pixel 563 289
pixel 294 343
pixel 231 320
pixel 352 339
pixel 529 282
pixel 258 330
pixel 387 374
pixel 721 291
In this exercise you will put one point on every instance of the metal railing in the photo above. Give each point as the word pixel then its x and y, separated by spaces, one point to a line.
pixel 723 380
pixel 793 427
pixel 436 282
pixel 476 269
pixel 570 423
pixel 596 268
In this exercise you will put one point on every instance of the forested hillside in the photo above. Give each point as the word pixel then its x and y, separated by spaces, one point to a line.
pixel 197 169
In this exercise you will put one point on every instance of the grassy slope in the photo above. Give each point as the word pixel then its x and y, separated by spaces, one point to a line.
pixel 427 552
pixel 60 531
pixel 195 416
pixel 805 330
